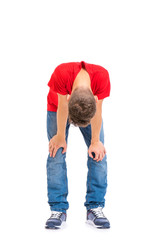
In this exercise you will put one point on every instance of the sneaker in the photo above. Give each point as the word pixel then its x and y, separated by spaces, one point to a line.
pixel 56 220
pixel 96 218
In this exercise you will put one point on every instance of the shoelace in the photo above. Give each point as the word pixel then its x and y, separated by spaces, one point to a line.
pixel 56 214
pixel 98 212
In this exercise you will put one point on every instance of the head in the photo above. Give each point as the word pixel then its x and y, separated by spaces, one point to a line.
pixel 81 107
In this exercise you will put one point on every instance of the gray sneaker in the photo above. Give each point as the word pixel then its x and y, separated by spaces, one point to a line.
pixel 96 218
pixel 56 220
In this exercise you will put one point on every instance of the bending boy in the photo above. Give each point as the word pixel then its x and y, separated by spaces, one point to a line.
pixel 77 90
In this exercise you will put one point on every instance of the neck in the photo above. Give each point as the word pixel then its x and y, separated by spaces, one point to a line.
pixel 82 80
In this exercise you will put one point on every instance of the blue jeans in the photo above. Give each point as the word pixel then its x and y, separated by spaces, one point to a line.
pixel 57 182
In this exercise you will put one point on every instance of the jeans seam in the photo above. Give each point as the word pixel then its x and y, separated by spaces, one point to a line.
pixel 66 177
pixel 89 177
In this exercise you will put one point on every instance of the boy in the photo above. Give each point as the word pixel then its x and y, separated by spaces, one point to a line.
pixel 77 90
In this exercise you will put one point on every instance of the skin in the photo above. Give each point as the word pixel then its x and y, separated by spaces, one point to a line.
pixel 81 80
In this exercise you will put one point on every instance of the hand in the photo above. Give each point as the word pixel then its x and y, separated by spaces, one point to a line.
pixel 55 143
pixel 99 150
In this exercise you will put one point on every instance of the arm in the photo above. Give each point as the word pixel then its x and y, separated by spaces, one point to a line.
pixel 59 139
pixel 96 145
pixel 62 115
pixel 96 122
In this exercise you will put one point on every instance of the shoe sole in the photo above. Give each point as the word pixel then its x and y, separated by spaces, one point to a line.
pixel 56 227
pixel 97 226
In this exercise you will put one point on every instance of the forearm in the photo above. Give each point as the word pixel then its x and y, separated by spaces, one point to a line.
pixel 62 115
pixel 96 123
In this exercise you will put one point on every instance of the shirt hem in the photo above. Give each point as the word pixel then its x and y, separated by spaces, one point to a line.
pixel 51 108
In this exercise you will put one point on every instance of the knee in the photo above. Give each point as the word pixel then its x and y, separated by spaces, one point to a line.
pixel 59 157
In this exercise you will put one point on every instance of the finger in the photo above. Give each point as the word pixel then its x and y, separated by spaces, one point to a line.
pixel 104 153
pixel 50 143
pixel 50 146
pixel 50 149
pixel 54 152
pixel 64 149
pixel 96 156
pixel 101 157
pixel 51 152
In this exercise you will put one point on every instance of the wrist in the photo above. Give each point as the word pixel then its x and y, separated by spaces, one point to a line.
pixel 94 140
pixel 61 135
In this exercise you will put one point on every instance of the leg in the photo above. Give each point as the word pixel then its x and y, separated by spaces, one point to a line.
pixel 97 174
pixel 57 183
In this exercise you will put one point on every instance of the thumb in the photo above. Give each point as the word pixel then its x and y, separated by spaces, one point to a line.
pixel 90 153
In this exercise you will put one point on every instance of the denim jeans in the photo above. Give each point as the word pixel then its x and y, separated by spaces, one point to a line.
pixel 57 182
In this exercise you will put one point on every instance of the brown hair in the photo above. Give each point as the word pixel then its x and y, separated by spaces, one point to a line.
pixel 81 107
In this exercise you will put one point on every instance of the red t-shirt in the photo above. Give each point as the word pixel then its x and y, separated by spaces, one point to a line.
pixel 62 79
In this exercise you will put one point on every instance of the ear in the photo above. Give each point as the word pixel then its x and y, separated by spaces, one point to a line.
pixel 68 97
pixel 96 98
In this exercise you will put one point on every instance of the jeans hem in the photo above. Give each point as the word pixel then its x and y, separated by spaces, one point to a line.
pixel 58 210
pixel 94 206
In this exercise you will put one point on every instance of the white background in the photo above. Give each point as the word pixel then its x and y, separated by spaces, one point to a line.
pixel 122 36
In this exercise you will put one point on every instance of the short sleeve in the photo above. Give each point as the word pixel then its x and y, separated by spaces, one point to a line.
pixel 57 82
pixel 103 85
